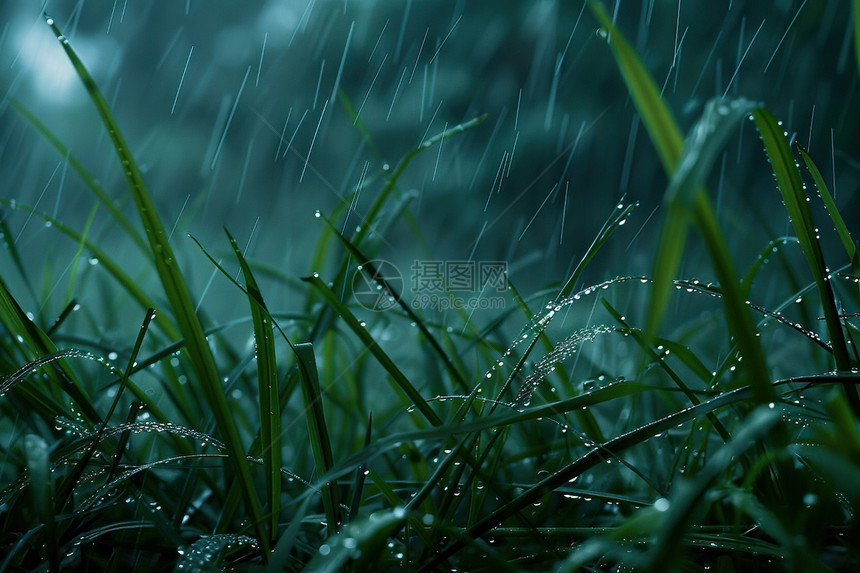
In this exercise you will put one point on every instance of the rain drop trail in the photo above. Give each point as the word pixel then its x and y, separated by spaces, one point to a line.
pixel 563 212
pixel 435 55
pixel 677 28
pixel 781 40
pixel 367 95
pixel 283 132
pixel 303 21
pixel 63 180
pixel 517 115
pixel 402 31
pixel 169 48
pixel 628 155
pixel 811 120
pixel 496 180
pixel 832 164
pixel 295 131
pixel 707 61
pixel 110 20
pixel 36 206
pixel 436 167
pixel 418 57
pixel 570 155
pixel 376 45
pixel 556 77
pixel 181 80
pixel 319 83
pixel 244 171
pixel 548 195
pixel 478 240
pixel 262 53
pixel 179 216
pixel 487 147
pixel 230 119
pixel 429 125
pixel 219 120
pixel 313 140
pixel 208 284
pixel 738 67
pixel 396 91
pixel 354 202
pixel 342 62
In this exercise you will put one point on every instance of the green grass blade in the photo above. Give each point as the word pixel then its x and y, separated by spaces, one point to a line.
pixel 655 115
pixel 355 325
pixel 85 175
pixel 687 165
pixel 41 489
pixel 267 384
pixel 833 212
pixel 372 273
pixel 857 32
pixel 173 282
pixel 318 433
pixel 793 195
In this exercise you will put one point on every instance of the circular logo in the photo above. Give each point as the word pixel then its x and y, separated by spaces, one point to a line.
pixel 376 284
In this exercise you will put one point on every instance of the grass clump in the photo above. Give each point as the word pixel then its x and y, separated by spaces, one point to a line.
pixel 633 442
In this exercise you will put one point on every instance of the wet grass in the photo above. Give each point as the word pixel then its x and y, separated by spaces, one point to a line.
pixel 681 425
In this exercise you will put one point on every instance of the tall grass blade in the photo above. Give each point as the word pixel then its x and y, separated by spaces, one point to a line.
pixel 40 480
pixel 173 282
pixel 790 185
pixel 687 164
pixel 318 433
pixel 267 385
pixel 833 212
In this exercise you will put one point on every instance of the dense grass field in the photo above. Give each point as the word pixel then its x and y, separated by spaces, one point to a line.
pixel 681 396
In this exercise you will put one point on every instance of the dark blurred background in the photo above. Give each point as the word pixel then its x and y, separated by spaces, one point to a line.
pixel 210 94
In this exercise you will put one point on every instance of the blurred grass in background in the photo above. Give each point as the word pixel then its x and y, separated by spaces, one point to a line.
pixel 698 389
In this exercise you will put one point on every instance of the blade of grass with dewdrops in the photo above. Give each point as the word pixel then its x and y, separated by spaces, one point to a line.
pixel 833 212
pixel 687 165
pixel 173 282
pixel 790 185
pixel 267 386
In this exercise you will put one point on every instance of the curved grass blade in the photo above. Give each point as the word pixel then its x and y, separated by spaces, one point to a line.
pixel 686 164
pixel 793 195
pixel 587 461
pixel 173 282
pixel 267 385
pixel 672 527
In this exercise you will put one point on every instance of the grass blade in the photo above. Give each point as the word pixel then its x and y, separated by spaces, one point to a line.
pixel 687 164
pixel 793 195
pixel 318 433
pixel 400 379
pixel 833 212
pixel 267 384
pixel 173 282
